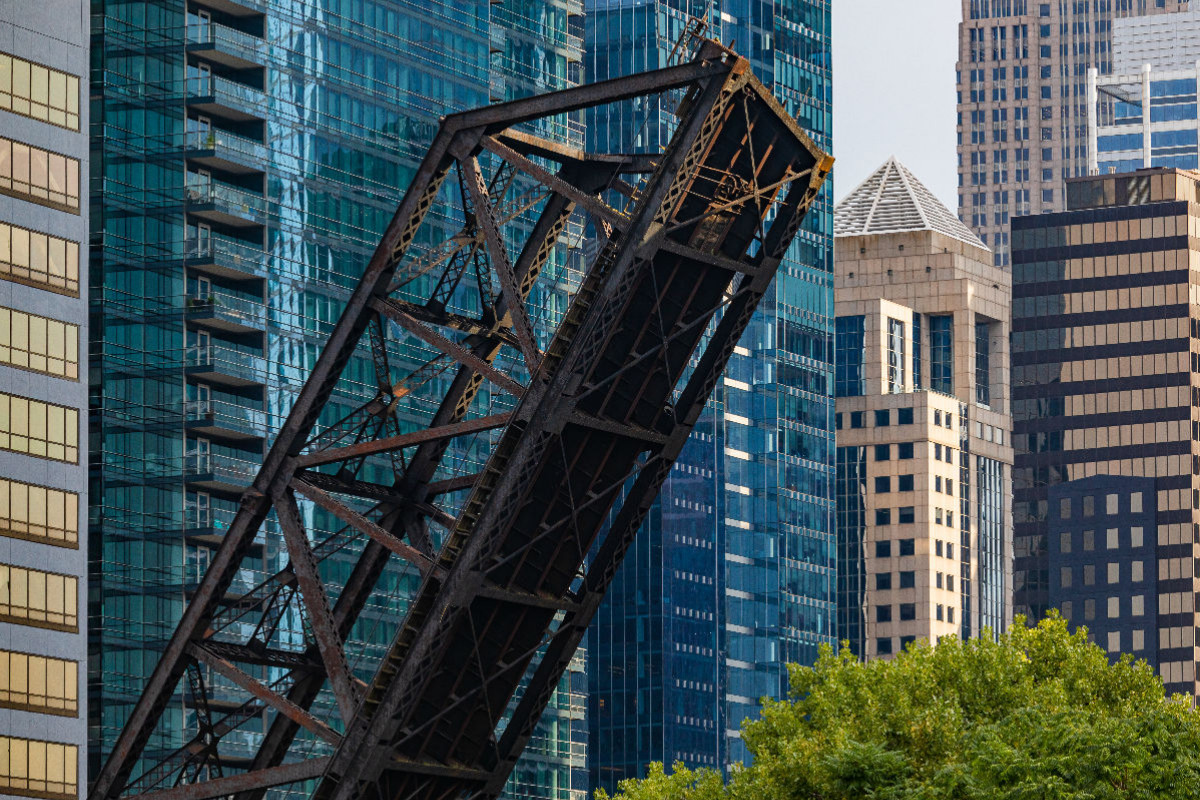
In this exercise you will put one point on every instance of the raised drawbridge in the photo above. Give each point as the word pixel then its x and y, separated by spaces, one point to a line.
pixel 686 243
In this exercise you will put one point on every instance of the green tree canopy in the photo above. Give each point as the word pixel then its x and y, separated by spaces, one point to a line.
pixel 1039 714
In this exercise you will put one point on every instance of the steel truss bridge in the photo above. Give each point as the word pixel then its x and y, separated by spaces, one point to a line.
pixel 689 240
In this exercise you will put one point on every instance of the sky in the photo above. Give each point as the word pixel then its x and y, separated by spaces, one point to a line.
pixel 893 91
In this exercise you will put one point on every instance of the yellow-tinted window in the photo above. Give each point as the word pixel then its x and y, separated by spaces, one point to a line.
pixel 39 683
pixel 39 344
pixel 38 259
pixel 33 768
pixel 38 513
pixel 39 429
pixel 40 599
pixel 32 173
pixel 40 92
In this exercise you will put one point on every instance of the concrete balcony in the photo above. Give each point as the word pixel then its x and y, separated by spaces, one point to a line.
pixel 226 258
pixel 218 473
pixel 225 151
pixel 220 419
pixel 228 313
pixel 227 205
pixel 228 46
pixel 212 94
pixel 226 366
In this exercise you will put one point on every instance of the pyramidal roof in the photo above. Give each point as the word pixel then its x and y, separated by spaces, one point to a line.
pixel 892 200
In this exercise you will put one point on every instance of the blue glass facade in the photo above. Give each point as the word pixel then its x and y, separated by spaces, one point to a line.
pixel 1159 106
pixel 732 577
pixel 247 155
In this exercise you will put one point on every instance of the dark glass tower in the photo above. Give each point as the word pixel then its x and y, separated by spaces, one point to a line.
pixel 732 577
pixel 247 155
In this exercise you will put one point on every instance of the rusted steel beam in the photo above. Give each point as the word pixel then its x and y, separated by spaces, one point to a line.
pixel 461 354
pixel 361 523
pixel 385 445
pixel 453 484
pixel 264 778
pixel 589 202
pixel 262 692
pixel 320 616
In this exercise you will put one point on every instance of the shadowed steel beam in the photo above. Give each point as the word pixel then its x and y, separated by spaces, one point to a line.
pixel 263 778
pixel 373 446
pixel 320 616
pixel 456 351
pixel 273 699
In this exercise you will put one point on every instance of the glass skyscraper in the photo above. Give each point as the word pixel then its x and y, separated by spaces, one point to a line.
pixel 732 576
pixel 246 156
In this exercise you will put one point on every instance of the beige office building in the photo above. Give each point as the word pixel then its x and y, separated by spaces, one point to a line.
pixel 43 398
pixel 1022 103
pixel 923 422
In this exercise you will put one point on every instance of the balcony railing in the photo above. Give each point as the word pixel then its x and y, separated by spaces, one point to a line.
pixel 227 40
pixel 225 469
pixel 229 146
pixel 226 361
pixel 229 200
pixel 229 308
pixel 227 416
pixel 239 97
pixel 227 253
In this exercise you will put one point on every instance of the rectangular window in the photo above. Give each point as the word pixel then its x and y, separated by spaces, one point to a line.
pixel 39 429
pixel 908 611
pixel 883 516
pixel 1089 574
pixel 950 612
pixel 904 483
pixel 883 484
pixel 883 417
pixel 883 549
pixel 916 356
pixel 38 175
pixel 1114 572
pixel 856 419
pixel 39 683
pixel 38 259
pixel 938 582
pixel 1089 541
pixel 1064 577
pixel 883 452
pixel 883 613
pixel 938 547
pixel 904 451
pixel 39 514
pixel 983 360
pixel 883 646
pixel 31 90
pixel 904 416
pixel 908 580
pixel 1135 537
pixel 907 547
pixel 1114 608
pixel 896 356
pixel 1113 539
pixel 940 610
pixel 849 345
pixel 941 353
pixel 33 768
pixel 1064 542
pixel 40 599
pixel 883 581
pixel 39 344
pixel 905 515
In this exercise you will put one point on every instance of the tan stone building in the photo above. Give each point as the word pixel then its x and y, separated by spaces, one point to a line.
pixel 923 453
pixel 1106 414
pixel 1022 103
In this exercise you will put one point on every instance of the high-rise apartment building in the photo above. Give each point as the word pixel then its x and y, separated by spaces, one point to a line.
pixel 1022 103
pixel 43 398
pixel 248 154
pixel 924 458
pixel 732 576
pixel 1144 113
pixel 1106 485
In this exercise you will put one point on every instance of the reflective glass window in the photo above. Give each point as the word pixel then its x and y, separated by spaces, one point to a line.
pixel 39 344
pixel 40 599
pixel 29 89
pixel 39 429
pixel 38 513
pixel 41 176
pixel 39 683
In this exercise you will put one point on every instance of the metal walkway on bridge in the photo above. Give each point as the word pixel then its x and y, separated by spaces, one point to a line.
pixel 599 418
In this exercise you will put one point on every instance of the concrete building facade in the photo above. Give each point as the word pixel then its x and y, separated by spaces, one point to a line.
pixel 1106 336
pixel 1022 103
pixel 922 416
pixel 43 398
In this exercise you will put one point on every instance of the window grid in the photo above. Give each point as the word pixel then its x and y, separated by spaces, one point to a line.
pixel 39 259
pixel 39 344
pixel 39 429
pixel 34 768
pixel 39 513
pixel 32 90
pixel 31 682
pixel 39 599
pixel 38 175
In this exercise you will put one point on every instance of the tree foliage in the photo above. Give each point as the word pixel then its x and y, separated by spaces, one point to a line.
pixel 1038 714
